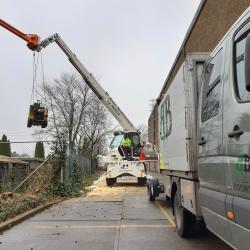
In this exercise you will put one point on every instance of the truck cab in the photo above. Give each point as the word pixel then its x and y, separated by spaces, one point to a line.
pixel 204 121
pixel 224 137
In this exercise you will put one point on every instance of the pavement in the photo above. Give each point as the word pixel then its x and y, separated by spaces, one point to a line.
pixel 118 217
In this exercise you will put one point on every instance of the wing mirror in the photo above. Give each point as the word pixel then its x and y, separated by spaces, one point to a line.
pixel 247 62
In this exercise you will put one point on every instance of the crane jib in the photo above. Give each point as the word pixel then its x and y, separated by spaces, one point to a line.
pixel 107 101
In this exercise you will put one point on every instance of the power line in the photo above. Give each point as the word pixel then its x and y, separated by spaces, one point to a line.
pixel 3 142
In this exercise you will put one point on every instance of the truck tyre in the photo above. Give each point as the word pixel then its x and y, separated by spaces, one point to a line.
pixel 184 220
pixel 142 181
pixel 110 181
pixel 151 196
pixel 153 189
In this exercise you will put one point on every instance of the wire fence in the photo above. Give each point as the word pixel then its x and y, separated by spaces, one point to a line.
pixel 86 163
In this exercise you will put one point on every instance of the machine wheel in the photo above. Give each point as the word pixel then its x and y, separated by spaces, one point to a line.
pixel 184 220
pixel 142 181
pixel 110 181
pixel 29 124
pixel 44 124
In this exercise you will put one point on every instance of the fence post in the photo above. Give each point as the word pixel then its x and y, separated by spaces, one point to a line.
pixel 62 173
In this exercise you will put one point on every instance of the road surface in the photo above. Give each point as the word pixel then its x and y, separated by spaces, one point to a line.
pixel 120 217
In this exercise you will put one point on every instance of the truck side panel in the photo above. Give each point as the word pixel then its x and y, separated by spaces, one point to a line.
pixel 177 116
pixel 189 196
pixel 173 126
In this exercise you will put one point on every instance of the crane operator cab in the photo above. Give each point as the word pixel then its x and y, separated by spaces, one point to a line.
pixel 38 115
pixel 128 143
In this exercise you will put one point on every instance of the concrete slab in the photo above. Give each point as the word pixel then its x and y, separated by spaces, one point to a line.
pixel 119 218
pixel 160 238
pixel 82 211
pixel 137 207
pixel 52 238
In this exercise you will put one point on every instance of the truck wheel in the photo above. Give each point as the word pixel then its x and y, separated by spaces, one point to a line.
pixel 151 196
pixel 184 220
pixel 152 189
pixel 110 181
pixel 142 181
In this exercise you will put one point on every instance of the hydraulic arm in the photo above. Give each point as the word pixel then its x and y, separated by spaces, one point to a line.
pixel 31 39
pixel 91 81
pixel 34 44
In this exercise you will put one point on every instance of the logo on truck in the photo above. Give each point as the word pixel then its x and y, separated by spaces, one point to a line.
pixel 165 119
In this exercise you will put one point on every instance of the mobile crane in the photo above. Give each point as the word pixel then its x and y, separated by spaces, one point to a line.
pixel 121 162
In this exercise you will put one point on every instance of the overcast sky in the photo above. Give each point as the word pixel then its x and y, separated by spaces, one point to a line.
pixel 129 45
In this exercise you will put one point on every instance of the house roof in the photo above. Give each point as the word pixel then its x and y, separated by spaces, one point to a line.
pixel 30 159
pixel 6 159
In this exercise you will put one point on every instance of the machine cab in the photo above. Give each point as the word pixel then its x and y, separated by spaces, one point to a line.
pixel 128 143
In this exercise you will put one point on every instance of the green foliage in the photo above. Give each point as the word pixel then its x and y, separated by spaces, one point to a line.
pixel 65 189
pixel 7 187
pixel 39 150
pixel 13 208
pixel 73 185
pixel 57 157
pixel 5 147
pixel 77 176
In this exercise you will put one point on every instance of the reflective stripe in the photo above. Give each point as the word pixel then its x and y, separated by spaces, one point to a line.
pixel 161 161
pixel 127 142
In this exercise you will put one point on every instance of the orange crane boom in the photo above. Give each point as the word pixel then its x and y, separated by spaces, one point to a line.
pixel 31 39
pixel 37 114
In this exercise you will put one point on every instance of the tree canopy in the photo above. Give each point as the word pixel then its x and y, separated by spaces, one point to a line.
pixel 76 114
pixel 39 150
pixel 5 146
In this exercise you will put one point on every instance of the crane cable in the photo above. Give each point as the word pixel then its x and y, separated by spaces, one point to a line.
pixel 34 83
pixel 43 79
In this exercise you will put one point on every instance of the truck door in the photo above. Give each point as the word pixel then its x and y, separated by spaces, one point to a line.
pixel 236 133
pixel 210 151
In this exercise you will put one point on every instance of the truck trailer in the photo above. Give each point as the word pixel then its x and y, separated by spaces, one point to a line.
pixel 204 121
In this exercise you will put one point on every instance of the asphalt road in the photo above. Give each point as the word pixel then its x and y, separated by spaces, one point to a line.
pixel 120 217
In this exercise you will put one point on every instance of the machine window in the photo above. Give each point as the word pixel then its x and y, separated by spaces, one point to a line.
pixel 136 139
pixel 116 141
pixel 211 88
pixel 241 91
